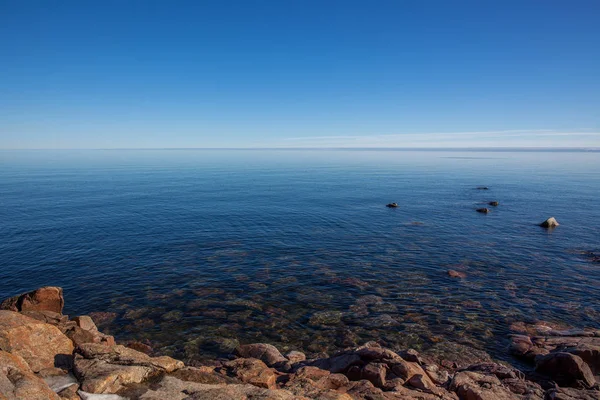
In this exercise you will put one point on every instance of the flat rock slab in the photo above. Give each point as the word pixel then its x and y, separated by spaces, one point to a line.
pixel 174 389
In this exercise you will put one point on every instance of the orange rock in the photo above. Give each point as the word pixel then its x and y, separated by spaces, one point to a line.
pixel 41 345
pixel 47 298
pixel 18 382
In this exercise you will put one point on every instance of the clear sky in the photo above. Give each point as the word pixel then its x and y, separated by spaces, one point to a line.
pixel 299 73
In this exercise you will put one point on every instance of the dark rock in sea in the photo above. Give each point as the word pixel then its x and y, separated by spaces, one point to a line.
pixel 392 205
pixel 565 369
pixel 483 188
pixel 483 210
pixel 550 223
pixel 493 203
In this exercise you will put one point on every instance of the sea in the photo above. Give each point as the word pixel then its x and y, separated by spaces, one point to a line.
pixel 196 251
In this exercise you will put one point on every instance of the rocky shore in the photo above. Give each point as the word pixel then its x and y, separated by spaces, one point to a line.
pixel 47 355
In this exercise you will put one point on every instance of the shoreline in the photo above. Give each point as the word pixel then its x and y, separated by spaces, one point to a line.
pixel 47 355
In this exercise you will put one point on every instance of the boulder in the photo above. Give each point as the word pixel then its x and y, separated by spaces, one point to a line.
pixel 406 370
pixel 175 389
pixel 41 345
pixel 391 205
pixel 375 373
pixel 106 369
pixel 18 382
pixel 47 298
pixel 476 386
pixel 483 210
pixel 252 371
pixel 565 369
pixel 550 223
pixel 494 203
pixel 262 351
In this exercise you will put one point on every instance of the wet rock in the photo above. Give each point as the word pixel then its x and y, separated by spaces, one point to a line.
pixel 454 355
pixel 381 321
pixel 139 346
pixel 456 274
pixel 565 369
pixel 493 203
pixel 175 389
pixel 262 351
pixel 482 188
pixel 47 298
pixel 18 382
pixel 103 318
pixel 105 369
pixel 550 223
pixel 475 386
pixel 41 345
pixel 483 210
pixel 252 371
pixel 321 318
pixel 391 205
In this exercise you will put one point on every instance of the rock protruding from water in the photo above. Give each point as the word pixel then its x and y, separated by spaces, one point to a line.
pixel 47 298
pixel 494 203
pixel 550 223
pixel 391 205
pixel 483 210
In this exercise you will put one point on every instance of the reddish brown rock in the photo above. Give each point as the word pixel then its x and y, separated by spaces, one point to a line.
pixel 456 274
pixel 375 373
pixel 565 369
pixel 106 369
pixel 476 386
pixel 41 345
pixel 47 298
pixel 18 382
pixel 261 351
pixel 253 371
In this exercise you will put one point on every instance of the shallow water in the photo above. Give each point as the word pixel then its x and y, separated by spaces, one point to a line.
pixel 198 250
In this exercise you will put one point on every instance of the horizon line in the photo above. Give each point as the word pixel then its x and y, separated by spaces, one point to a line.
pixel 367 148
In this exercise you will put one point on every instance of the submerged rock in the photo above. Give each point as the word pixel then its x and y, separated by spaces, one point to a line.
pixel 550 223
pixel 456 274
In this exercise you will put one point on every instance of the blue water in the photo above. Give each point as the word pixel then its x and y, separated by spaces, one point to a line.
pixel 197 250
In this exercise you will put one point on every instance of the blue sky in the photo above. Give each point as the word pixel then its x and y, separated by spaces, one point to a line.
pixel 299 73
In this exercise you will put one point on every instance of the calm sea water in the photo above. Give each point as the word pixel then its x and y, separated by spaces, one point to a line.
pixel 196 251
